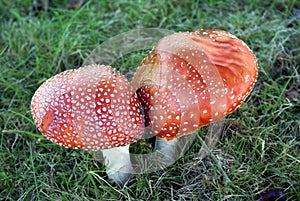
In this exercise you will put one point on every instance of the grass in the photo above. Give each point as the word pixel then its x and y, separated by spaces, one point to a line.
pixel 259 149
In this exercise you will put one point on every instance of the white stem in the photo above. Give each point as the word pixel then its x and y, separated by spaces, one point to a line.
pixel 166 147
pixel 118 164
pixel 170 151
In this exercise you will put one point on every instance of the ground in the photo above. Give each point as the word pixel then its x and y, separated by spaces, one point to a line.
pixel 258 150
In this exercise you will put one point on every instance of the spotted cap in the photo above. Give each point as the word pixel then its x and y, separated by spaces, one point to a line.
pixel 191 79
pixel 91 108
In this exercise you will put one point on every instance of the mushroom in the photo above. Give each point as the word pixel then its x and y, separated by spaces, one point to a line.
pixel 91 108
pixel 192 79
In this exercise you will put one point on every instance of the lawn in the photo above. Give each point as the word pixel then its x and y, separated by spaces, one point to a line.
pixel 259 149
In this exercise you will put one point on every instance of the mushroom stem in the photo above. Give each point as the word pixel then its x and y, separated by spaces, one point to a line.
pixel 118 164
pixel 166 147
pixel 170 151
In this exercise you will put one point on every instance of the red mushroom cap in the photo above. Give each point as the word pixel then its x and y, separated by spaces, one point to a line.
pixel 92 108
pixel 191 79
